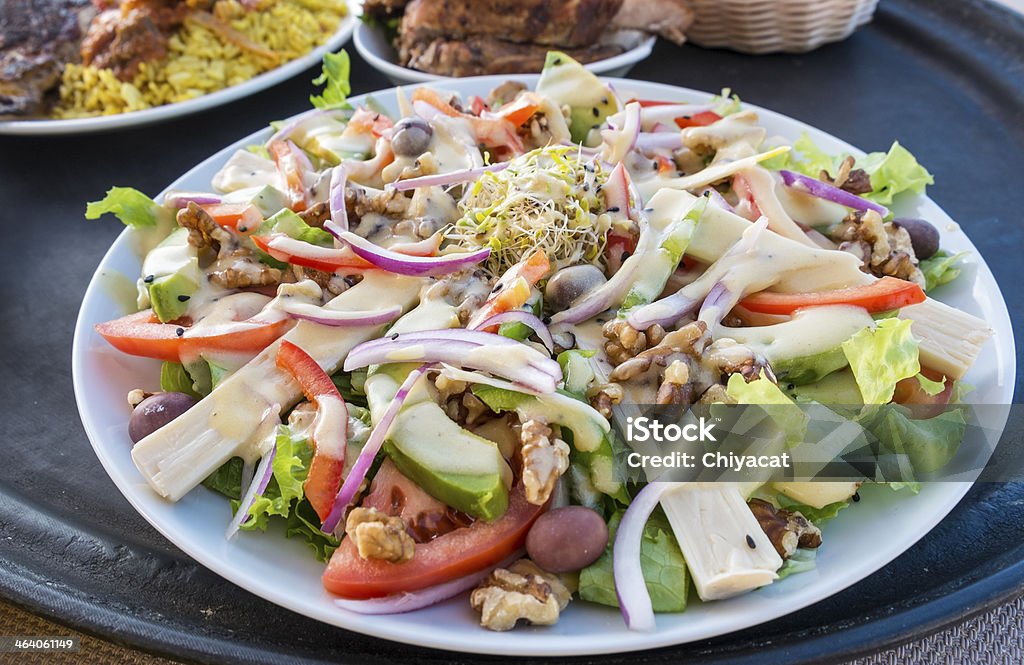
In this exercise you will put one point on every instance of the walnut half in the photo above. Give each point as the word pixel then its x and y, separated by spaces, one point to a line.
pixel 787 530
pixel 545 459
pixel 379 536
pixel 522 591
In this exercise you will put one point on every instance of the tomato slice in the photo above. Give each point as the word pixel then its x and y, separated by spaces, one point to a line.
pixel 142 334
pixel 493 133
pixel 455 554
pixel 519 110
pixel 922 405
pixel 288 158
pixel 327 466
pixel 242 217
pixel 514 287
pixel 702 119
pixel 882 295
pixel 365 120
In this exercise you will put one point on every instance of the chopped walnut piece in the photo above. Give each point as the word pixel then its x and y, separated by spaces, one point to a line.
pixel 316 214
pixel 604 396
pixel 883 247
pixel 855 181
pixel 545 459
pixel 625 341
pixel 379 536
pixel 235 267
pixel 136 396
pixel 522 591
pixel 787 530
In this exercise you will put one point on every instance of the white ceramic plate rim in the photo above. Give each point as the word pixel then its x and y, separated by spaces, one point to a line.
pixel 283 572
pixel 177 109
pixel 397 72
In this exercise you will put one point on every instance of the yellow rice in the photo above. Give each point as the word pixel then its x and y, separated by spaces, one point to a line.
pixel 200 61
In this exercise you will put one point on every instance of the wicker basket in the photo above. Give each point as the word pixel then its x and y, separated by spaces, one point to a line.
pixel 770 26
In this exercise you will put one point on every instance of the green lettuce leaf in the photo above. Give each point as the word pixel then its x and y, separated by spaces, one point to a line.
pixel 334 77
pixel 929 443
pixel 813 159
pixel 800 561
pixel 287 222
pixel 881 357
pixel 174 379
pixel 304 523
pixel 227 480
pixel 499 399
pixel 941 268
pixel 664 568
pixel 726 103
pixel 576 371
pixel 782 410
pixel 894 172
pixel 131 207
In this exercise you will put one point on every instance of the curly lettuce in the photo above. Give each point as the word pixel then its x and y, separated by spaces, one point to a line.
pixel 131 207
pixel 335 78
pixel 941 268
pixel 882 356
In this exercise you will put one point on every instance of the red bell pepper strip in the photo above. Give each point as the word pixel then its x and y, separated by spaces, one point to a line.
pixel 289 163
pixel 328 464
pixel 883 295
pixel 242 217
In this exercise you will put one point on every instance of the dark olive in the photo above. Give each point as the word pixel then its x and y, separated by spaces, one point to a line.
pixel 411 137
pixel 156 411
pixel 568 284
pixel 923 236
pixel 567 539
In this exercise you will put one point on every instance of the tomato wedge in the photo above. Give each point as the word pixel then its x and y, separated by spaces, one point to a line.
pixel 450 556
pixel 519 110
pixel 514 287
pixel 242 217
pixel 885 294
pixel 289 158
pixel 142 334
pixel 702 119
pixel 289 250
pixel 922 405
pixel 496 133
pixel 364 120
pixel 325 471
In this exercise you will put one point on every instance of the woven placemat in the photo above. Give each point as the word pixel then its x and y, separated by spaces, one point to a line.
pixel 994 638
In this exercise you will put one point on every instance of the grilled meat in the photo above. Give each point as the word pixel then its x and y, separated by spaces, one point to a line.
pixel 484 55
pixel 37 38
pixel 561 23
pixel 668 18
pixel 121 39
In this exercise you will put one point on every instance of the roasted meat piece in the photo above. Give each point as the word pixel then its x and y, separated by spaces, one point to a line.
pixel 121 39
pixel 37 38
pixel 668 18
pixel 485 55
pixel 562 23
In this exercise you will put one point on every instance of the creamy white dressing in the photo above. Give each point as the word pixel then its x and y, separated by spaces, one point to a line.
pixel 453 144
pixel 811 331
pixel 442 446
pixel 329 427
pixel 762 187
pixel 246 169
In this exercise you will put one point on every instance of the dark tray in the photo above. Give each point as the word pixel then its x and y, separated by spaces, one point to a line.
pixel 946 78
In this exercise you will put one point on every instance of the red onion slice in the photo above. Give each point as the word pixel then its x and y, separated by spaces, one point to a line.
pixel 417 266
pixel 822 190
pixel 357 474
pixel 630 587
pixel 717 199
pixel 659 141
pixel 336 197
pixel 264 471
pixel 526 318
pixel 444 179
pixel 415 600
pixel 331 317
pixel 719 302
pixel 182 199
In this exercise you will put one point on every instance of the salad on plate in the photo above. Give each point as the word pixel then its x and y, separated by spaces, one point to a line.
pixel 407 339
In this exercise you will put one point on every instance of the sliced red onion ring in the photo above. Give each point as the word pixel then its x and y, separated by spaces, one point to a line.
pixel 717 199
pixel 418 266
pixel 717 304
pixel 415 600
pixel 331 317
pixel 526 318
pixel 357 474
pixel 659 141
pixel 630 587
pixel 444 179
pixel 290 126
pixel 284 248
pixel 258 485
pixel 823 190
pixel 664 312
pixel 336 197
pixel 456 374
pixel 182 199
pixel 462 348
pixel 667 113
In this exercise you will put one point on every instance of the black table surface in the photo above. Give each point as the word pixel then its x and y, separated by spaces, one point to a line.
pixel 946 79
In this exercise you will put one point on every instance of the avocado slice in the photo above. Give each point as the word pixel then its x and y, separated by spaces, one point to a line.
pixel 808 369
pixel 171 275
pixel 838 388
pixel 568 83
pixel 267 199
pixel 457 467
pixel 287 222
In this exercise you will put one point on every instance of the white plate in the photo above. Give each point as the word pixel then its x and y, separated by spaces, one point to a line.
pixel 374 47
pixel 862 540
pixel 217 98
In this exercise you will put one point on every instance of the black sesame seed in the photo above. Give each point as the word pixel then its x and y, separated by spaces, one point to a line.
pixel 687 117
pixel 613 209
pixel 707 193
pixel 750 542
pixel 790 386
pixel 604 101
pixel 243 229
pixel 856 497
pixel 149 279
pixel 350 280
pixel 654 165
pixel 648 209
pixel 497 287
pixel 393 336
pixel 556 61
pixel 183 298
pixel 625 255
pixel 179 331
pixel 596 113
pixel 546 320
